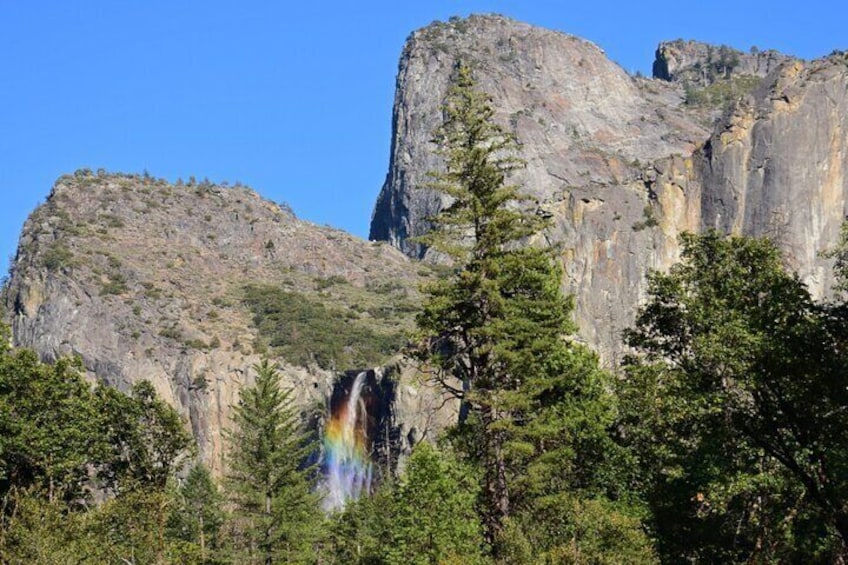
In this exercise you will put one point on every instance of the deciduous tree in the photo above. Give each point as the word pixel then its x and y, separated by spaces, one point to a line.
pixel 739 407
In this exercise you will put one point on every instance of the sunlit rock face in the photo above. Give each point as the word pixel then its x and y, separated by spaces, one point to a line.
pixel 624 164
pixel 145 280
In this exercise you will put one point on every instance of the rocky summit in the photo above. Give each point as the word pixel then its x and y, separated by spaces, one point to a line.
pixel 750 143
pixel 189 284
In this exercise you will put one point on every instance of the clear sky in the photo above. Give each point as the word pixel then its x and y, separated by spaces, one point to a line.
pixel 291 98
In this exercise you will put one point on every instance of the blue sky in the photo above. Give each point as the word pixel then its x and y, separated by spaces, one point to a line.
pixel 293 99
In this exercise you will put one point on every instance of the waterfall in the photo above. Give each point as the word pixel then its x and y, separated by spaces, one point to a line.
pixel 347 449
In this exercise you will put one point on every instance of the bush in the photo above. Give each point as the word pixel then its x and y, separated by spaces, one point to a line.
pixel 721 92
pixel 305 331
pixel 322 284
pixel 57 257
pixel 117 285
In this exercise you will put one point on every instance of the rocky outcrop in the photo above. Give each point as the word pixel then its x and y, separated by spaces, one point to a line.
pixel 145 280
pixel 590 135
pixel 777 165
pixel 623 164
pixel 703 64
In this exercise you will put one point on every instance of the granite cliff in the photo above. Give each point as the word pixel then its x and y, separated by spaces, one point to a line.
pixel 148 280
pixel 188 284
pixel 703 64
pixel 625 164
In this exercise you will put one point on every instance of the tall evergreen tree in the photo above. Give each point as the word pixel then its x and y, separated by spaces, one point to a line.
pixel 465 324
pixel 494 333
pixel 198 512
pixel 277 513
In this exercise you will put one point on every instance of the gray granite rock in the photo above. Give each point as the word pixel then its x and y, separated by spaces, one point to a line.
pixel 623 164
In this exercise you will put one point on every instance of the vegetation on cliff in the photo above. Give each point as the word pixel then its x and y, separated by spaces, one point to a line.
pixel 722 440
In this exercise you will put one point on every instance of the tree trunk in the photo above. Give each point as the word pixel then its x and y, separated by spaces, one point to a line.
pixel 160 527
pixel 464 405
pixel 202 537
pixel 267 544
pixel 496 490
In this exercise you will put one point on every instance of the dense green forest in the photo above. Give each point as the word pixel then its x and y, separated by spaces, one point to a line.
pixel 722 438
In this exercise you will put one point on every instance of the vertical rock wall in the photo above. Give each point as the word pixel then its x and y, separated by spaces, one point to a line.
pixel 623 164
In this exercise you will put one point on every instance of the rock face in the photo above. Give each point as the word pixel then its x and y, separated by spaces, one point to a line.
pixel 624 165
pixel 777 164
pixel 145 280
pixel 700 63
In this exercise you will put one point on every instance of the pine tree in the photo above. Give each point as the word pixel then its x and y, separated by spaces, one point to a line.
pixel 494 333
pixel 277 514
pixel 198 515
pixel 433 518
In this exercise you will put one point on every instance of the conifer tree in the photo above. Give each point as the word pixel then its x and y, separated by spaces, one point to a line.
pixel 277 514
pixel 198 514
pixel 494 332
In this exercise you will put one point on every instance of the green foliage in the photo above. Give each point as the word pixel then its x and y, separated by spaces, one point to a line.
pixel 306 331
pixel 47 424
pixel 721 92
pixel 198 515
pixel 117 284
pixel 276 514
pixel 358 534
pixel 41 531
pixel 145 439
pixel 131 528
pixel 322 284
pixel 428 516
pixel 649 221
pixel 59 440
pixel 111 221
pixel 536 410
pixel 742 375
pixel 839 254
pixel 57 256
pixel 564 528
pixel 433 515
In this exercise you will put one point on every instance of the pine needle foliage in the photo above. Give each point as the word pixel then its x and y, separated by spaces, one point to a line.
pixel 277 514
pixel 494 332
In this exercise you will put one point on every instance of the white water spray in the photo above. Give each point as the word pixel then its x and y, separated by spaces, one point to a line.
pixel 346 447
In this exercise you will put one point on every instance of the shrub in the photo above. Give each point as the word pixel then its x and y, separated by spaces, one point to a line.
pixel 305 331
pixel 57 257
pixel 117 285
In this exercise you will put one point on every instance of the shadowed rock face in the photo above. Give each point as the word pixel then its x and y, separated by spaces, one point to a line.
pixel 622 163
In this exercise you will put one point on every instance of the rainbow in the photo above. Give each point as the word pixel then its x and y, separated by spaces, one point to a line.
pixel 347 462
